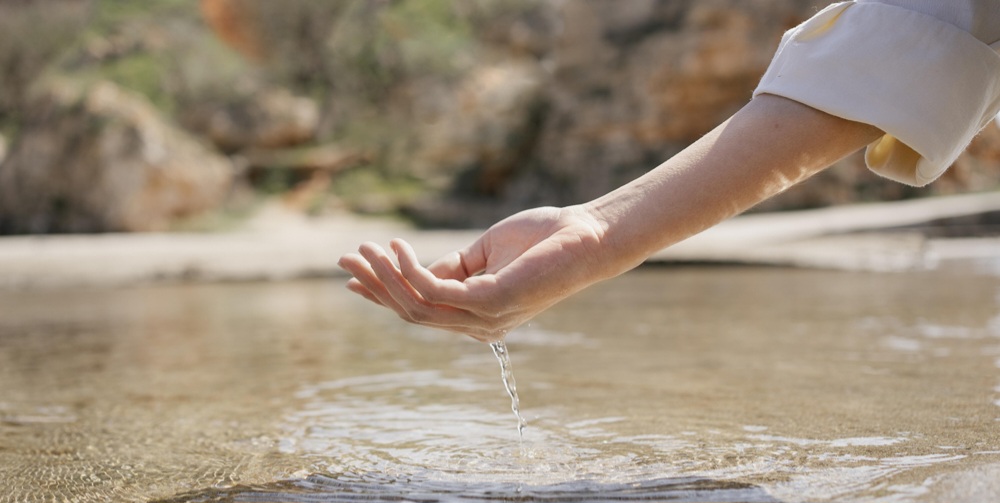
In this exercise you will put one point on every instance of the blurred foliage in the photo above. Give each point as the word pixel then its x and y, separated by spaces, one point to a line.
pixel 369 65
pixel 371 50
pixel 33 34
pixel 371 191
pixel 160 49
pixel 399 81
pixel 350 55
pixel 113 14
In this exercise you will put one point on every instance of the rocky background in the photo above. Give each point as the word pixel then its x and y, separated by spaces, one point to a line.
pixel 146 115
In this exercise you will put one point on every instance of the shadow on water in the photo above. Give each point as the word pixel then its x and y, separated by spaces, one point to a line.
pixel 346 488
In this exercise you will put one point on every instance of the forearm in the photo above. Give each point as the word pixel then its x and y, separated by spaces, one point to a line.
pixel 766 147
pixel 531 260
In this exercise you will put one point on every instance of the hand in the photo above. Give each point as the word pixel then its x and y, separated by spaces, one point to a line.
pixel 515 270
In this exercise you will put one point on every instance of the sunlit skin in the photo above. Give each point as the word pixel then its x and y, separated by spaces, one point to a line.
pixel 533 259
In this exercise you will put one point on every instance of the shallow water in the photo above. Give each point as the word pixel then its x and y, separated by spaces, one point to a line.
pixel 674 384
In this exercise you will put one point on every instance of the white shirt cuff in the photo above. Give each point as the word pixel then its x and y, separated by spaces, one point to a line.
pixel 929 85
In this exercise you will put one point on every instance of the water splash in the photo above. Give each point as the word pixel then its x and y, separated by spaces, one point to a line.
pixel 507 374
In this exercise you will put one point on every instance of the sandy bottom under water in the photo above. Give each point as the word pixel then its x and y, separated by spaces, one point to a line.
pixel 667 384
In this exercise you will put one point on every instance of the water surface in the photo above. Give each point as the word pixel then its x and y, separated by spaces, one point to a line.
pixel 673 384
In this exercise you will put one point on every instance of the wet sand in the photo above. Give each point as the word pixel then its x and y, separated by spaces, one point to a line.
pixel 278 244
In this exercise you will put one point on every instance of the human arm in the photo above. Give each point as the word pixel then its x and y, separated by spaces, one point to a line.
pixel 915 81
pixel 532 260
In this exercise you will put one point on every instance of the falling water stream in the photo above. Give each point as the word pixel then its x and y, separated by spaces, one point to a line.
pixel 507 374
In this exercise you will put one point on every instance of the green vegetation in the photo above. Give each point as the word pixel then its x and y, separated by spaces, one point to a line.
pixel 161 50
pixel 371 191
pixel 33 37
pixel 362 61
pixel 430 35
pixel 111 15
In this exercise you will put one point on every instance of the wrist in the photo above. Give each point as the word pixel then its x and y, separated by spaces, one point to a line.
pixel 614 253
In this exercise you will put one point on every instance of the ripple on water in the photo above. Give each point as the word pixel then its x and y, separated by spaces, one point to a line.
pixel 383 438
pixel 390 422
pixel 424 436
pixel 374 487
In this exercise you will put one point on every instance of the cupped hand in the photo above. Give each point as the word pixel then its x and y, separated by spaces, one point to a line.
pixel 516 269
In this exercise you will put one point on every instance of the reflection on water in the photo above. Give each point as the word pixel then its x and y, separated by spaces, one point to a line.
pixel 665 385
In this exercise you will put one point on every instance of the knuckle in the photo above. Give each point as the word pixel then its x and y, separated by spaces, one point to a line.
pixel 430 296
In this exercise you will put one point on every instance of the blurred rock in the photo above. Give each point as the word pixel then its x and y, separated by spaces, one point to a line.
pixel 328 158
pixel 103 159
pixel 470 111
pixel 269 119
pixel 237 23
pixel 266 119
pixel 625 86
pixel 977 167
pixel 3 148
pixel 288 38
pixel 485 130
pixel 483 138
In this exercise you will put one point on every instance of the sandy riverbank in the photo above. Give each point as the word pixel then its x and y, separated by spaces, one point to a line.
pixel 278 244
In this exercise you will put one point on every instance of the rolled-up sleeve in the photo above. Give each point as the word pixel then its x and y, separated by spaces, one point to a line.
pixel 929 85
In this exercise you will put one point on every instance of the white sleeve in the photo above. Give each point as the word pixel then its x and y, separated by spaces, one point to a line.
pixel 928 84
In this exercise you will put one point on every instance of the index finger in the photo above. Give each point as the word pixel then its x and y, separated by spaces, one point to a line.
pixel 447 291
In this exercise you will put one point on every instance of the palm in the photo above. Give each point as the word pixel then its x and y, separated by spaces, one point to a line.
pixel 531 260
pixel 515 270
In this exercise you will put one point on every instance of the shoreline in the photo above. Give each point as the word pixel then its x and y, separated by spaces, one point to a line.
pixel 278 244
